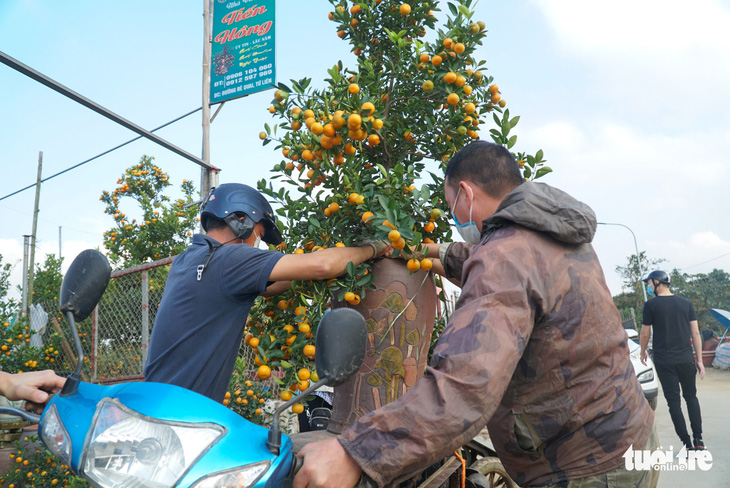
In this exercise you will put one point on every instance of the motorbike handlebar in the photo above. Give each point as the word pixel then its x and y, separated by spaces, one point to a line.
pixel 296 465
pixel 30 417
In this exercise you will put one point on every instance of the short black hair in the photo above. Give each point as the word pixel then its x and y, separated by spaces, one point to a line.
pixel 489 165
pixel 213 223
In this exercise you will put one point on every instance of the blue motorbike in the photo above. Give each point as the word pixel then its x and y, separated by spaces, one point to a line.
pixel 156 435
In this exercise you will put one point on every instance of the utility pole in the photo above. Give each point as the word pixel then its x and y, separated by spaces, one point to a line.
pixel 638 258
pixel 35 228
pixel 24 298
pixel 208 176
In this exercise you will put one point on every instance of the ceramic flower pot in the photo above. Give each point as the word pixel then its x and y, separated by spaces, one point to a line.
pixel 400 315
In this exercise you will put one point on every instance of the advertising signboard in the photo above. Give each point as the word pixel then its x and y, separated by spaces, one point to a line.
pixel 243 50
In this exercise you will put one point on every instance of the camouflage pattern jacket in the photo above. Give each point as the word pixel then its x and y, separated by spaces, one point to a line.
pixel 535 348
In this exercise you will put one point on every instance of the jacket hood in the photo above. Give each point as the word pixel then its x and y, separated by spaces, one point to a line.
pixel 543 208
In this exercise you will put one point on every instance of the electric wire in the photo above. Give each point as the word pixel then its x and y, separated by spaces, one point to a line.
pixel 101 154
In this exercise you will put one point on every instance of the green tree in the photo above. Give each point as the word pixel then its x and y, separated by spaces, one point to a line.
pixel 706 291
pixel 16 353
pixel 165 226
pixel 47 281
pixel 631 276
pixel 8 305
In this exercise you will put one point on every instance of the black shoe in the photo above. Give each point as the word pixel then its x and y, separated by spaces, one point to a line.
pixel 699 445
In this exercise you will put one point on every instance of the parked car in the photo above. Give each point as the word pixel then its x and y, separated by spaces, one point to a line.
pixel 646 374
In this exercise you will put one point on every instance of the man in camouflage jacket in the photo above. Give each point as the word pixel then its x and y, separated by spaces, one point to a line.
pixel 535 348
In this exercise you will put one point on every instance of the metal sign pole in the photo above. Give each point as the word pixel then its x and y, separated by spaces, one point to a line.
pixel 208 177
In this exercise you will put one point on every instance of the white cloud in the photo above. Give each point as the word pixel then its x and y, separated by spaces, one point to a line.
pixel 658 62
pixel 640 28
pixel 607 154
pixel 701 252
pixel 12 253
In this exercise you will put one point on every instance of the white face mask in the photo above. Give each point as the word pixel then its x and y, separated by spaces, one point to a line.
pixel 468 231
pixel 257 242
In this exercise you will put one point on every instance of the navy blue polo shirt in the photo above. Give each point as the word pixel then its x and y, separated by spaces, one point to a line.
pixel 199 325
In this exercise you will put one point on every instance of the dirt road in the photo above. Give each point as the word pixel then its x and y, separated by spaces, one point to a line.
pixel 714 395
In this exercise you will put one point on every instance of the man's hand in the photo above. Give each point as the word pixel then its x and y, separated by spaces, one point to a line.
pixel 701 369
pixel 326 465
pixel 34 387
pixel 644 356
pixel 380 246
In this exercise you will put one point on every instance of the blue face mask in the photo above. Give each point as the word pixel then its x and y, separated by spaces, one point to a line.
pixel 469 231
pixel 649 290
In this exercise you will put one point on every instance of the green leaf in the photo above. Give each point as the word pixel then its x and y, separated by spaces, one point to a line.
pixel 512 141
pixel 513 122
pixel 363 281
pixel 505 128
pixel 453 9
pixel 285 364
pixel 383 201
pixel 350 269
pixel 538 156
pixel 315 222
pixel 543 171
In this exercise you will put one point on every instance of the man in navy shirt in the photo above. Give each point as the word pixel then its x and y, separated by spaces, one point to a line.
pixel 676 330
pixel 212 285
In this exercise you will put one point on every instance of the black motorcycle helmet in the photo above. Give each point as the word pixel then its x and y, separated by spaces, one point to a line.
pixel 658 275
pixel 229 201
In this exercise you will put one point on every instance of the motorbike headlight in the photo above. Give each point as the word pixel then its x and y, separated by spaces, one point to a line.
pixel 126 448
pixel 646 376
pixel 242 477
pixel 55 436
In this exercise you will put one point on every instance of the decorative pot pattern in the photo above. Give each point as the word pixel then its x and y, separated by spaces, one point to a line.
pixel 399 315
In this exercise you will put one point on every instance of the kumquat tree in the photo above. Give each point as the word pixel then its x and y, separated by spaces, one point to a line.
pixel 165 226
pixel 363 157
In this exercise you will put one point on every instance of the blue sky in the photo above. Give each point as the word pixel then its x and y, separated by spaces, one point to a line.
pixel 628 100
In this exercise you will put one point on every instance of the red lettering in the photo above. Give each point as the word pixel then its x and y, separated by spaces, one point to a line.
pixel 244 31
pixel 242 14
pixel 221 37
pixel 229 18
pixel 265 27
pixel 254 11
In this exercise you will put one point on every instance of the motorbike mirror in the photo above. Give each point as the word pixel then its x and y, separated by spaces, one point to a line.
pixel 84 284
pixel 81 290
pixel 340 345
